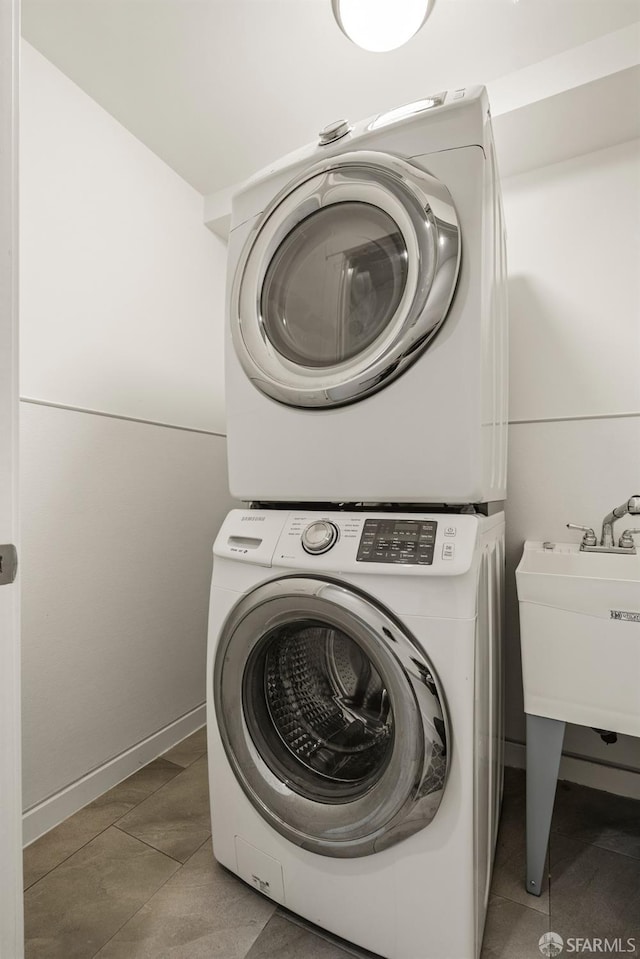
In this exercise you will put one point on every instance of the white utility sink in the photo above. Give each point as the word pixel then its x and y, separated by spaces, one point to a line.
pixel 580 636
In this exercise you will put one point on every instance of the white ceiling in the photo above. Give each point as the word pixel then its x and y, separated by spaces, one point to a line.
pixel 220 88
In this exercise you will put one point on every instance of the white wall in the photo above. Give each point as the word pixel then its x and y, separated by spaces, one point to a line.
pixel 119 518
pixel 122 291
pixel 574 249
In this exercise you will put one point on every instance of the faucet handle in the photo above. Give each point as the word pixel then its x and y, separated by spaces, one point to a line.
pixel 589 538
pixel 626 540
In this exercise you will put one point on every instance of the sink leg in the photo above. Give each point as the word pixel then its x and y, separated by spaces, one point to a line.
pixel 544 747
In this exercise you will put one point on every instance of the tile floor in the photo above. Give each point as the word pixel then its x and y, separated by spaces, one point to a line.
pixel 132 876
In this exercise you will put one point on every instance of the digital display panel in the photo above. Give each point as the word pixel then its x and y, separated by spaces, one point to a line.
pixel 407 542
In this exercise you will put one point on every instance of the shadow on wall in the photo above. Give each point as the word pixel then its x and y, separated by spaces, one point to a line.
pixel 550 368
pixel 531 310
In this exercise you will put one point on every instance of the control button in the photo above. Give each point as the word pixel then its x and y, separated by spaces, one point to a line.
pixel 448 551
pixel 459 94
pixel 333 131
pixel 318 537
pixel 450 531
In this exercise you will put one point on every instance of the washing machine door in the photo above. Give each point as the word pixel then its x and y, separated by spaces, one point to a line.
pixel 331 716
pixel 345 280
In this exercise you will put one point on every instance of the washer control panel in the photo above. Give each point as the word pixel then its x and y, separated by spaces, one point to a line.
pixel 319 536
pixel 405 541
pixel 340 541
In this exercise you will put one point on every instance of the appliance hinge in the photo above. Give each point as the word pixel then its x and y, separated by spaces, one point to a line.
pixel 8 563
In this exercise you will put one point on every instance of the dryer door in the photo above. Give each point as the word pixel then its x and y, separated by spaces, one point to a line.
pixel 345 279
pixel 331 716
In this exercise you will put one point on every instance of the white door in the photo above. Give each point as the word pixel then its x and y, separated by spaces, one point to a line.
pixel 11 924
pixel 343 748
pixel 344 280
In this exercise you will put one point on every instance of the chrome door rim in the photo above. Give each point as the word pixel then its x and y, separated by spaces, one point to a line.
pixel 408 793
pixel 422 208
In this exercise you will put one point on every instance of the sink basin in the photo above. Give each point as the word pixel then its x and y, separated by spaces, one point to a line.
pixel 580 636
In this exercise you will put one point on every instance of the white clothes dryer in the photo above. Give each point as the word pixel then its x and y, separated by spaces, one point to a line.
pixel 354 704
pixel 366 351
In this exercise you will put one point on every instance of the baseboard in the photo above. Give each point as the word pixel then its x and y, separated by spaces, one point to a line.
pixel 53 810
pixel 612 779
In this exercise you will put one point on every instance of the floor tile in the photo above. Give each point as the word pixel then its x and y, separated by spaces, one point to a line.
pixel 142 783
pixel 598 817
pixel 515 784
pixel 512 931
pixel 203 912
pixel 120 899
pixel 509 871
pixel 283 939
pixel 348 947
pixel 175 819
pixel 60 843
pixel 75 909
pixel 594 892
pixel 190 749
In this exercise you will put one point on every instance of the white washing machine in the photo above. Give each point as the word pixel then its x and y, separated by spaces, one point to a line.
pixel 366 356
pixel 354 702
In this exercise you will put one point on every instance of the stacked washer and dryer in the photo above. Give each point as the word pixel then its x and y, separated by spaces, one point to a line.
pixel 355 668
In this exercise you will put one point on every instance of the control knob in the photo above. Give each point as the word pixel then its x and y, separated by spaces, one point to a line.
pixel 333 131
pixel 319 537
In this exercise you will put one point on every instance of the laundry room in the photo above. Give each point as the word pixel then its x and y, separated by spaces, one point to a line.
pixel 368 319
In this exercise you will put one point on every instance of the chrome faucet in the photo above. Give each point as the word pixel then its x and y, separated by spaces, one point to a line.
pixel 607 543
pixel 631 506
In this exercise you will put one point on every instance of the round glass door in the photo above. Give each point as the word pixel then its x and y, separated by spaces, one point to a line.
pixel 331 717
pixel 318 711
pixel 334 284
pixel 345 280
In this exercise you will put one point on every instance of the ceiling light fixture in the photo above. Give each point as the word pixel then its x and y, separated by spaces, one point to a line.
pixel 381 25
